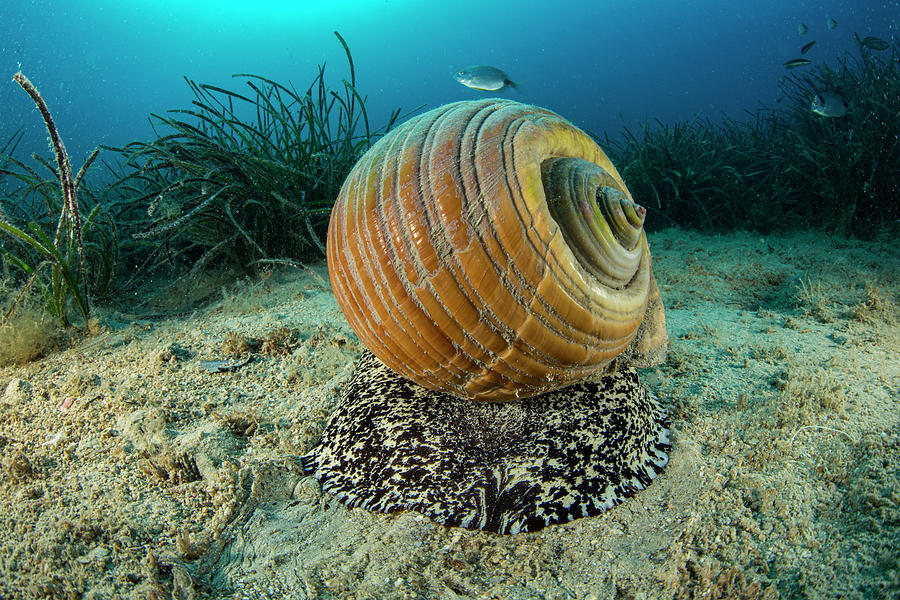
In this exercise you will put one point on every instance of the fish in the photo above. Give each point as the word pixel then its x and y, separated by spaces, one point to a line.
pixel 806 48
pixel 872 43
pixel 828 104
pixel 483 77
pixel 223 366
pixel 831 23
pixel 802 28
pixel 796 62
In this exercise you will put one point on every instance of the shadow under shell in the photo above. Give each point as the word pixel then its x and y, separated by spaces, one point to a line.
pixel 507 467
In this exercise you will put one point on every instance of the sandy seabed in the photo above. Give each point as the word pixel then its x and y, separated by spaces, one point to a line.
pixel 130 471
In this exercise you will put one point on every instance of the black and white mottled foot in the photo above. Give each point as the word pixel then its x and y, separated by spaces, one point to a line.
pixel 507 467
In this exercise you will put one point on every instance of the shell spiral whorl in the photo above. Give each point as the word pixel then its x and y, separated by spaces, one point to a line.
pixel 489 249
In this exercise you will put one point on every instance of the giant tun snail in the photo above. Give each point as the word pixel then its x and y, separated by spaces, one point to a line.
pixel 491 259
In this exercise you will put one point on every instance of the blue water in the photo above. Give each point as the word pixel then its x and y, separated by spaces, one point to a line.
pixel 104 67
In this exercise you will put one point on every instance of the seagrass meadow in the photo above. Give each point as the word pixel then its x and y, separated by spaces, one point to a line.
pixel 171 349
pixel 783 168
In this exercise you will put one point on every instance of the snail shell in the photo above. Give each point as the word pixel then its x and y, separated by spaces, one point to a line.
pixel 489 249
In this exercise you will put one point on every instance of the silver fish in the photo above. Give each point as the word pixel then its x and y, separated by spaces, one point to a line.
pixel 828 104
pixel 483 77
pixel 802 28
pixel 796 62
pixel 872 43
pixel 223 366
pixel 807 47
pixel 831 23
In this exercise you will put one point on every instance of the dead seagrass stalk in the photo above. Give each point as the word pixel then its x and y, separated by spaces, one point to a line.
pixel 490 250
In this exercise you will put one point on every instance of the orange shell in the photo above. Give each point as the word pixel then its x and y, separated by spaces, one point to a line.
pixel 455 270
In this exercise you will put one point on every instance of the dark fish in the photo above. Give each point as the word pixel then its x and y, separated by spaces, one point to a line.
pixel 828 104
pixel 802 28
pixel 806 48
pixel 796 62
pixel 483 77
pixel 831 23
pixel 872 43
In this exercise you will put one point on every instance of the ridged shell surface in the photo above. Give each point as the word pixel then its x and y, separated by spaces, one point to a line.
pixel 489 249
